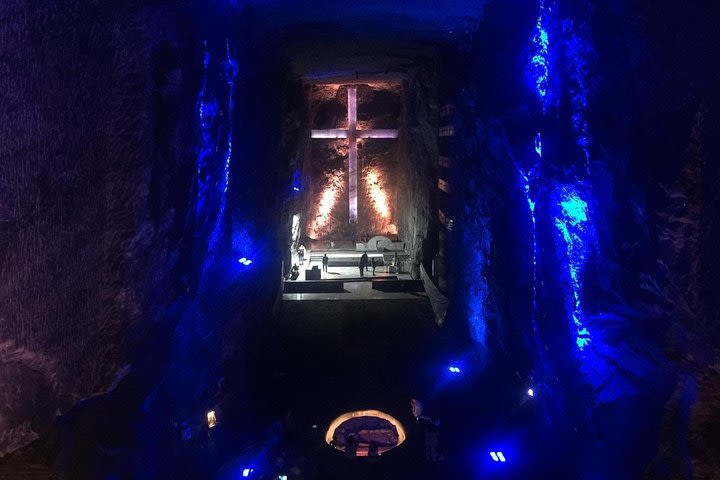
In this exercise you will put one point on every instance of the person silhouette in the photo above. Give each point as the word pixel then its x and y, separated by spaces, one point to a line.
pixel 301 254
pixel 363 264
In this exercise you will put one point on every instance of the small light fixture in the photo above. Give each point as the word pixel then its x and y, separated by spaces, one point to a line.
pixel 454 369
pixel 246 472
pixel 531 392
pixel 245 261
pixel 498 457
pixel 211 419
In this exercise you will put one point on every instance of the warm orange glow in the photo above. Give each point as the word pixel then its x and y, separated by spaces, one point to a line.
pixel 333 188
pixel 211 419
pixel 366 413
pixel 375 189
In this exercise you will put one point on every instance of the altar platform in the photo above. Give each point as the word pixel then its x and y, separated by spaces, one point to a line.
pixel 343 280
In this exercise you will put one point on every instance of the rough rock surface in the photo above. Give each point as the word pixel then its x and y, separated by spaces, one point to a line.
pixel 87 232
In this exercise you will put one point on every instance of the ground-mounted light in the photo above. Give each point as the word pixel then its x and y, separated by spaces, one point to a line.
pixel 245 261
pixel 211 419
pixel 531 392
pixel 454 369
pixel 246 472
pixel 498 457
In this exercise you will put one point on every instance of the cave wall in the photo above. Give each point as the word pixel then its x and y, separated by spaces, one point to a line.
pixel 97 129
pixel 325 164
pixel 607 173
pixel 417 164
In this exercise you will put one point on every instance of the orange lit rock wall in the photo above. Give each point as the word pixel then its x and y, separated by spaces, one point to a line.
pixel 327 215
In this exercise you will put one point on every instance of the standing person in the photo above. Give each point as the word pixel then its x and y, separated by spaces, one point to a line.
pixel 351 447
pixel 373 449
pixel 432 437
pixel 301 253
pixel 363 264
pixel 374 265
pixel 326 261
pixel 431 431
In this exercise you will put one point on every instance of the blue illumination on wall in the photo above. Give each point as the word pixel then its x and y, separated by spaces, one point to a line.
pixel 296 181
pixel 577 236
pixel 526 187
pixel 539 61
pixel 578 52
pixel 540 75
pixel 207 112
pixel 476 237
pixel 231 70
pixel 475 240
pixel 215 149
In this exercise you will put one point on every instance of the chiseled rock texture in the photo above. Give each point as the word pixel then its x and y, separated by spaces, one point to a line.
pixel 649 285
pixel 89 229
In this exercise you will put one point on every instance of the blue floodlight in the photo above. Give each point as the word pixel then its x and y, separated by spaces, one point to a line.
pixel 245 261
pixel 453 369
pixel 246 472
pixel 531 392
pixel 296 180
pixel 498 457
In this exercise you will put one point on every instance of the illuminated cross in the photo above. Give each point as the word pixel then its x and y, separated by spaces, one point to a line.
pixel 353 134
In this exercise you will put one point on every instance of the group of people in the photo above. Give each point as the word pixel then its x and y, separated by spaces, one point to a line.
pixel 428 426
pixel 364 266
pixel 365 262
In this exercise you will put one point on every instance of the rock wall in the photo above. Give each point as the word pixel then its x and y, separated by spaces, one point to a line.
pixel 89 228
pixel 418 159
pixel 617 197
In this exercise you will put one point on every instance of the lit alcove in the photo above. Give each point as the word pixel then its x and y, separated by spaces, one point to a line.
pixel 367 426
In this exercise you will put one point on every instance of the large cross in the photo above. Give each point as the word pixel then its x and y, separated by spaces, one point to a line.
pixel 353 134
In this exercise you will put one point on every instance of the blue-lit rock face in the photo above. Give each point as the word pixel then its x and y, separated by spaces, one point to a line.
pixel 117 225
pixel 570 236
pixel 145 158
pixel 576 240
